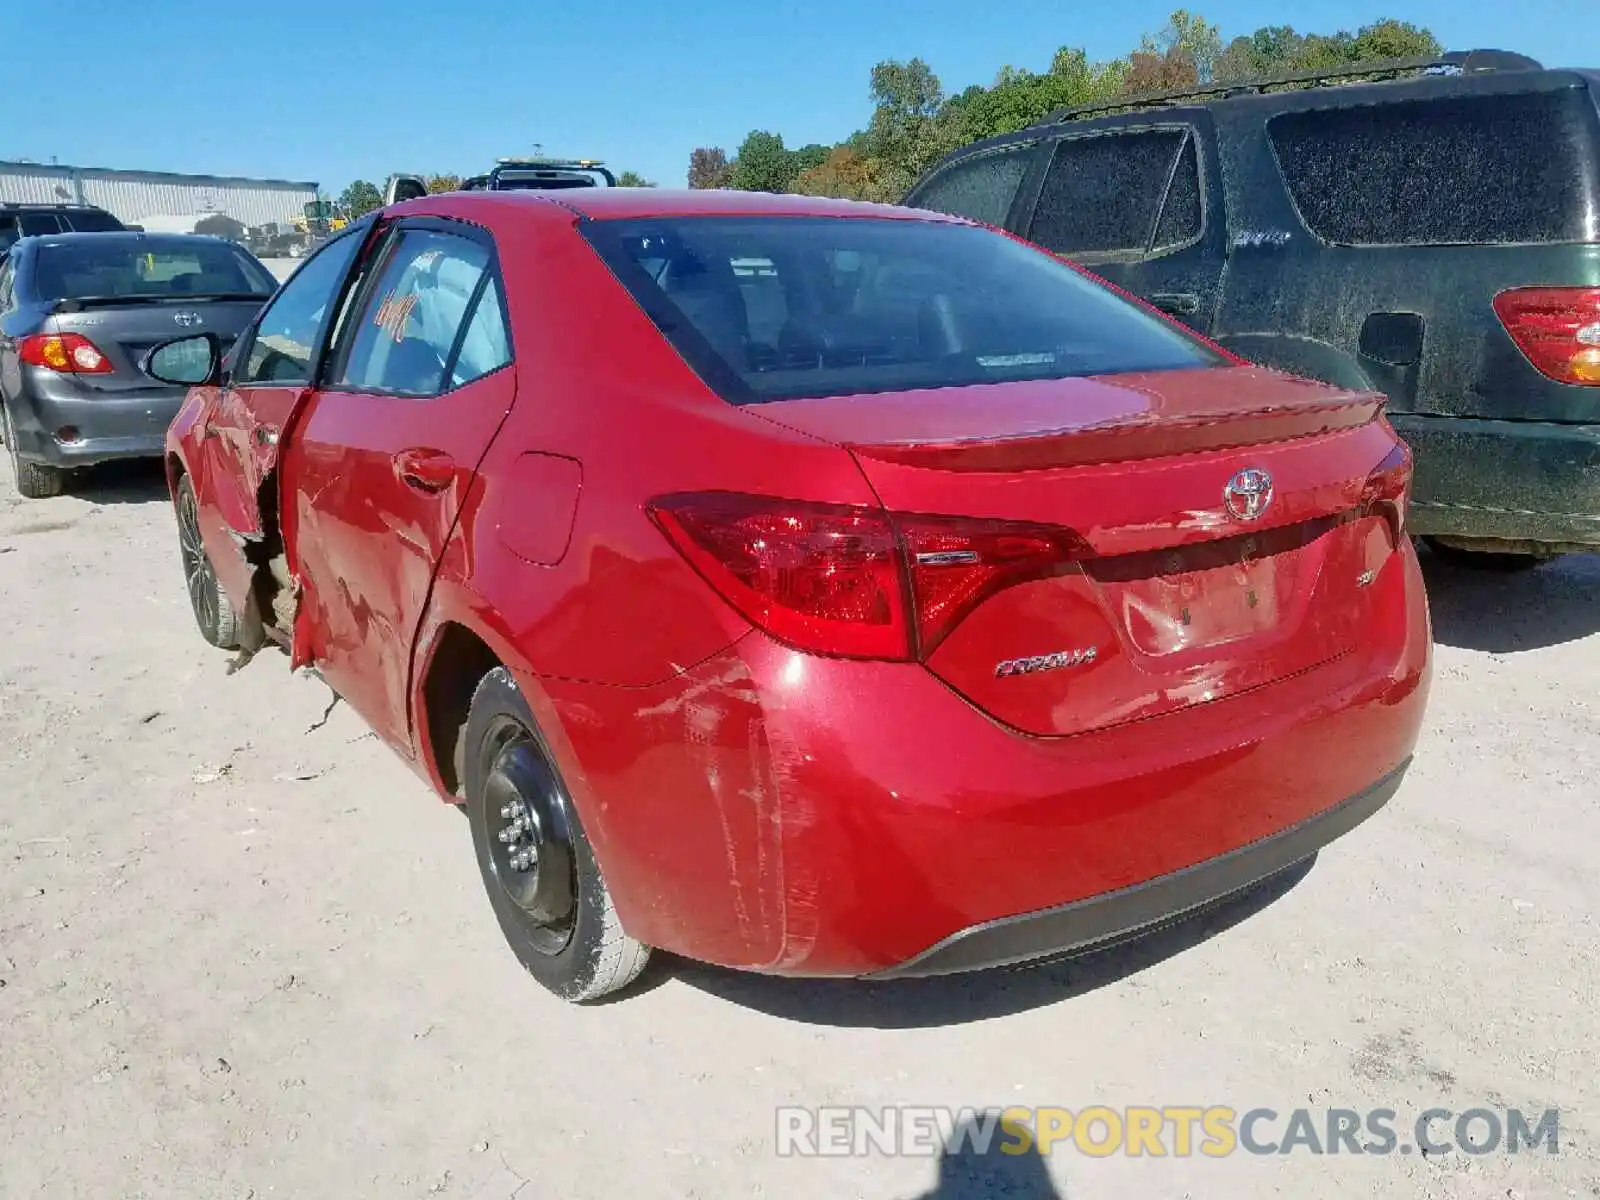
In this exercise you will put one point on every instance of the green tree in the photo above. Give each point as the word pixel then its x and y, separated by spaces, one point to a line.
pixel 633 179
pixel 708 167
pixel 844 174
pixel 1279 50
pixel 1186 37
pixel 1018 98
pixel 1393 39
pixel 763 164
pixel 443 183
pixel 360 198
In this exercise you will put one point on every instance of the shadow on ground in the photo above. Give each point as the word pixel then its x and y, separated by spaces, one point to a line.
pixel 135 481
pixel 973 1167
pixel 1501 613
pixel 956 999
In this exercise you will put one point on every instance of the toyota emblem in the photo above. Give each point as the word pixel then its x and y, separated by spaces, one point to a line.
pixel 188 319
pixel 1248 494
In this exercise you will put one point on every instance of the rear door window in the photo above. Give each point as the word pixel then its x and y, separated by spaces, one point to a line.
pixel 1120 193
pixel 1458 170
pixel 407 337
pixel 980 188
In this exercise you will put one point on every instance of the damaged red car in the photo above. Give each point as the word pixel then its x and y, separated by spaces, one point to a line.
pixel 807 587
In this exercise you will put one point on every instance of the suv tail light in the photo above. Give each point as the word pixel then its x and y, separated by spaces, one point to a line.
pixel 1558 328
pixel 1388 489
pixel 69 353
pixel 851 581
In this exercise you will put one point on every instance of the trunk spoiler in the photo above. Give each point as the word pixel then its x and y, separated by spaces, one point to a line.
pixel 1126 441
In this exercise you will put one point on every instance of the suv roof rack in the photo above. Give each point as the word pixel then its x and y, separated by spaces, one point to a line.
pixel 1460 61
pixel 551 163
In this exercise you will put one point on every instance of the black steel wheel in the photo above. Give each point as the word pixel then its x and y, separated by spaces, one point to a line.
pixel 538 868
pixel 213 612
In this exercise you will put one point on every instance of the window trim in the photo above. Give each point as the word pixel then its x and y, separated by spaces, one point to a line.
pixel 1189 133
pixel 245 345
pixel 1332 105
pixel 338 357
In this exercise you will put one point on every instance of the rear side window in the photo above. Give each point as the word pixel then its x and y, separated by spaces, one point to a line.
pixel 980 189
pixel 1120 193
pixel 780 308
pixel 91 220
pixel 1476 170
pixel 35 224
pixel 426 296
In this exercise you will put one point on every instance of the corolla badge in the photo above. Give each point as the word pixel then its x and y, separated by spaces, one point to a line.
pixel 1248 494
pixel 188 319
pixel 1045 662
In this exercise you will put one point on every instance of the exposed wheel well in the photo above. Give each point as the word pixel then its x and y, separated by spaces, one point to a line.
pixel 460 661
pixel 175 473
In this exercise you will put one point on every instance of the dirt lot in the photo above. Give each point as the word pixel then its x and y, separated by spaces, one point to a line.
pixel 243 953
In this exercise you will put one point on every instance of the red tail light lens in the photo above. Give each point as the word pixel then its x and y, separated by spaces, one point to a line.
pixel 823 578
pixel 69 353
pixel 956 564
pixel 1388 488
pixel 1557 328
pixel 851 581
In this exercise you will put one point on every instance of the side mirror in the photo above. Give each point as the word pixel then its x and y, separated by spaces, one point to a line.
pixel 193 361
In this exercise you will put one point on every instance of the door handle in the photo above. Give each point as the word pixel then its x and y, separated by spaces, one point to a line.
pixel 425 470
pixel 1178 304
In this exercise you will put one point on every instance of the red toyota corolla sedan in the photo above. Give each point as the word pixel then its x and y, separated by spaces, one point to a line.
pixel 807 587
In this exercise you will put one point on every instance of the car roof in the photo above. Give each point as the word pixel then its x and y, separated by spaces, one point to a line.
pixel 609 204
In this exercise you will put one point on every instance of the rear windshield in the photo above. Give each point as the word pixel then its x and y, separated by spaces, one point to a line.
pixel 108 266
pixel 778 308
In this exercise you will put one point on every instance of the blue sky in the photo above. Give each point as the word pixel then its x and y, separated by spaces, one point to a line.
pixel 341 91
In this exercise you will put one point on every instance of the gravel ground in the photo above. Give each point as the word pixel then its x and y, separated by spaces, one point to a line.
pixel 244 953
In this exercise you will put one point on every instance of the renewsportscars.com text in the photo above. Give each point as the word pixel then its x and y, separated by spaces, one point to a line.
pixel 1177 1131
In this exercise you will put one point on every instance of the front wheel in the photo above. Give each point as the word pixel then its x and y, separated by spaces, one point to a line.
pixel 535 859
pixel 213 611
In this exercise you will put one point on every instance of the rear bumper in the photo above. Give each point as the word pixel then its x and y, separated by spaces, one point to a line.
pixel 108 425
pixel 1100 920
pixel 783 813
pixel 1514 481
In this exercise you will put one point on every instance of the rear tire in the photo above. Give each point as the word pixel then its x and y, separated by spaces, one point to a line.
pixel 1498 561
pixel 536 862
pixel 213 611
pixel 34 481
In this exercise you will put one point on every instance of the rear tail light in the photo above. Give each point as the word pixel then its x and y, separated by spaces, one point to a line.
pixel 1558 328
pixel 852 581
pixel 69 353
pixel 1388 489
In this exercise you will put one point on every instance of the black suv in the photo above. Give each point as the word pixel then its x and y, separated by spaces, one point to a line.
pixel 28 220
pixel 1429 228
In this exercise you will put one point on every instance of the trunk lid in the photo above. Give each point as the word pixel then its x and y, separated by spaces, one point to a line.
pixel 124 332
pixel 1178 599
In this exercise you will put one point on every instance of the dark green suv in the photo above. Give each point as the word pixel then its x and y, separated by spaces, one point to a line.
pixel 1426 228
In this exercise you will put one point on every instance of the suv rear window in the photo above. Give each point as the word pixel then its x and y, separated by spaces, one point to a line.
pixel 105 266
pixel 1475 170
pixel 779 308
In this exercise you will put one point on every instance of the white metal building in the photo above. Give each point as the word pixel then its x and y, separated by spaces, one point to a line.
pixel 130 195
